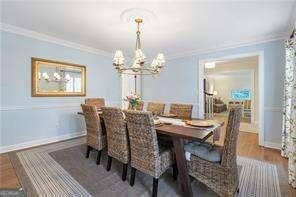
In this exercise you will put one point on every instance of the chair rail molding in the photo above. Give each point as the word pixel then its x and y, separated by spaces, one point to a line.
pixel 71 105
pixel 274 109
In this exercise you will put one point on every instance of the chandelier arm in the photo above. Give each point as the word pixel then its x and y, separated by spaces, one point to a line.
pixel 123 73
pixel 139 66
pixel 141 69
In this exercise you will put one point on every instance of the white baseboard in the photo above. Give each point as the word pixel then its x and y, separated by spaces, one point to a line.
pixel 272 145
pixel 29 144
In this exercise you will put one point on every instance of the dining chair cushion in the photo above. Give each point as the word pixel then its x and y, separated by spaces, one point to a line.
pixel 204 150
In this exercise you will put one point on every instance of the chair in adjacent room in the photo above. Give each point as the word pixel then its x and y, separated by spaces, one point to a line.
pixel 117 138
pixel 95 139
pixel 216 166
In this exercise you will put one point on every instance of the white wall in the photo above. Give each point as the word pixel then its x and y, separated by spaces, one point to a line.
pixel 24 118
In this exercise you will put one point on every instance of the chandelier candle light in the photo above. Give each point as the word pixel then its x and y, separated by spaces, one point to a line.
pixel 138 67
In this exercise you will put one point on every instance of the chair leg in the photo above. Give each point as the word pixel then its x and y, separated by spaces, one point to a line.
pixel 175 171
pixel 99 157
pixel 124 171
pixel 155 187
pixel 109 163
pixel 88 149
pixel 133 175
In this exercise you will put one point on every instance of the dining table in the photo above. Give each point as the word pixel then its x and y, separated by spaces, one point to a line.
pixel 178 131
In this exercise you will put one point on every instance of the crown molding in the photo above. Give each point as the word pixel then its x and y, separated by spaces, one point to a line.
pixel 40 36
pixel 234 45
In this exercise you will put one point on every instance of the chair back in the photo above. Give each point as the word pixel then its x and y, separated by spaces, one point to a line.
pixel 143 140
pixel 182 111
pixel 139 107
pixel 117 137
pixel 93 126
pixel 230 141
pixel 156 108
pixel 98 102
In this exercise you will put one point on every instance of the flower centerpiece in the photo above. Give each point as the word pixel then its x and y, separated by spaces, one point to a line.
pixel 133 99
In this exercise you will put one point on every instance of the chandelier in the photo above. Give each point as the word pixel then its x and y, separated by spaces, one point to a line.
pixel 139 66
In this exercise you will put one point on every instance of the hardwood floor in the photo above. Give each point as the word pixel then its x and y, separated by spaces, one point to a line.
pixel 8 178
pixel 248 146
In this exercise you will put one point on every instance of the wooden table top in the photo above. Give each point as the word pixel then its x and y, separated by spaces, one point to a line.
pixel 184 132
pixel 180 131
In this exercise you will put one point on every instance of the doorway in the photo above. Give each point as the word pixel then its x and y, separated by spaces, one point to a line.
pixel 235 81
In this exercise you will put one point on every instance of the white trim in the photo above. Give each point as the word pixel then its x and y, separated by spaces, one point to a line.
pixel 33 143
pixel 253 96
pixel 51 106
pixel 260 55
pixel 201 74
pixel 14 108
pixel 51 39
pixel 227 47
pixel 272 145
pixel 274 109
pixel 261 96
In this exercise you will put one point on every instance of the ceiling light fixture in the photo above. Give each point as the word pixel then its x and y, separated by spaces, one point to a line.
pixel 139 66
pixel 210 65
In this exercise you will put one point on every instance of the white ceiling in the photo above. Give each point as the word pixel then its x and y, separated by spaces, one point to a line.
pixel 180 28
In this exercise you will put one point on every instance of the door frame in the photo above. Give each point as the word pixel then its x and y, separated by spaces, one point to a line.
pixel 201 76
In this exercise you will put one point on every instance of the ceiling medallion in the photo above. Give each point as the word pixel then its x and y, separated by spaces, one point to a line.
pixel 139 66
pixel 131 14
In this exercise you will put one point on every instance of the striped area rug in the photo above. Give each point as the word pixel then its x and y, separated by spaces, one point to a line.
pixel 258 178
pixel 61 170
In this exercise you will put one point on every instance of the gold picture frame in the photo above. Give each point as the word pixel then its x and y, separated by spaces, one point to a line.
pixel 59 82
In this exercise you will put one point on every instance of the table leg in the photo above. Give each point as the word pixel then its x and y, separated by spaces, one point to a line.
pixel 182 167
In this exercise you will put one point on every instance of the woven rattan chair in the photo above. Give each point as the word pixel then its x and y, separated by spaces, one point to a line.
pixel 146 154
pixel 156 108
pixel 216 166
pixel 98 102
pixel 95 138
pixel 117 137
pixel 182 111
pixel 139 107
